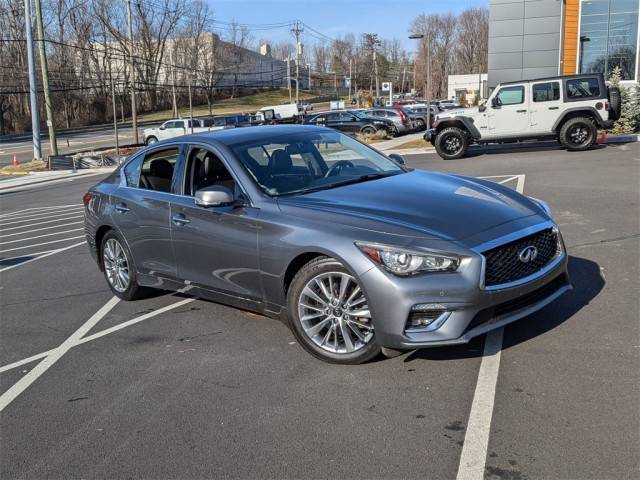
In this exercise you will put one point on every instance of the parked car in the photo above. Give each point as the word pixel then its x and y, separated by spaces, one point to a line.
pixel 352 121
pixel 287 113
pixel 177 127
pixel 448 104
pixel 354 251
pixel 569 109
pixel 402 120
pixel 421 113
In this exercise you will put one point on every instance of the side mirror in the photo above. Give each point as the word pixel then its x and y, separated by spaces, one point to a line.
pixel 495 102
pixel 214 196
pixel 162 127
pixel 482 108
pixel 398 158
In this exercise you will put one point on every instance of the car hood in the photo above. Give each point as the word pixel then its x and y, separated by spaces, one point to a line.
pixel 417 203
pixel 456 112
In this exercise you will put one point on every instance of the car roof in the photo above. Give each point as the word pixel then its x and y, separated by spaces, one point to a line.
pixel 235 136
pixel 557 77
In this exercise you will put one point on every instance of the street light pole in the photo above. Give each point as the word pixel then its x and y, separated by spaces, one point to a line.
pixel 427 86
pixel 134 116
pixel 53 144
pixel 33 86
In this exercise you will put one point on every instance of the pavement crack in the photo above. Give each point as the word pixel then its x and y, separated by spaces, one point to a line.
pixel 188 339
pixel 606 240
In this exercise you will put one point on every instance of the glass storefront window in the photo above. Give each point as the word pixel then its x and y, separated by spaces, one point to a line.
pixel 608 37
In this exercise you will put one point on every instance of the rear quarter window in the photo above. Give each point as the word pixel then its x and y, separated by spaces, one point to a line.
pixel 132 171
pixel 546 92
pixel 582 88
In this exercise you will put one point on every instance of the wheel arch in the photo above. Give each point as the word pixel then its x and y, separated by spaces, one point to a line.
pixel 588 112
pixel 463 123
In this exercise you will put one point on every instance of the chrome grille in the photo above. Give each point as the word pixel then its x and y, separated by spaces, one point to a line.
pixel 503 265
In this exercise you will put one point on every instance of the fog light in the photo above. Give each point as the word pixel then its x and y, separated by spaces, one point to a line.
pixel 426 317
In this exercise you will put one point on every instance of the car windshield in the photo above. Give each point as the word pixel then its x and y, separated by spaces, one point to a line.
pixel 304 162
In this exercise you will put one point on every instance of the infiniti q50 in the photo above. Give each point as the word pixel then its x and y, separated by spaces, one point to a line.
pixel 355 251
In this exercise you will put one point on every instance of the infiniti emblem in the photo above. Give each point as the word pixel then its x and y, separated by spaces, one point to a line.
pixel 528 254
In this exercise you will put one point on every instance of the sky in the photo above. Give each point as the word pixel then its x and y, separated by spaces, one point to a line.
pixel 388 18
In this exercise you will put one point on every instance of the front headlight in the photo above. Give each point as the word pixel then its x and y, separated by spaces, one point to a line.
pixel 401 261
pixel 544 205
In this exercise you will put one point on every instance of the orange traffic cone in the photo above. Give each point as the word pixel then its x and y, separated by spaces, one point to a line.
pixel 15 161
pixel 602 139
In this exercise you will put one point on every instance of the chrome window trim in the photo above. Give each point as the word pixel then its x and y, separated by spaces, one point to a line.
pixel 555 261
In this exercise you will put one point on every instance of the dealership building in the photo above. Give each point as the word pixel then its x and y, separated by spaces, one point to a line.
pixel 541 38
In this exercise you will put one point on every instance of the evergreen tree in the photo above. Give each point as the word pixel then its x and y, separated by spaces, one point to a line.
pixel 629 120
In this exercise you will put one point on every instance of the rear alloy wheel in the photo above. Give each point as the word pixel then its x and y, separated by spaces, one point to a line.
pixel 151 140
pixel 119 268
pixel 330 313
pixel 368 131
pixel 578 134
pixel 451 143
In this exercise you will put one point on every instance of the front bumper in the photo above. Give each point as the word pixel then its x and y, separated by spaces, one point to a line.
pixel 472 311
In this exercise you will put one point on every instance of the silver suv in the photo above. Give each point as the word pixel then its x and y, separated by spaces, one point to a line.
pixel 569 109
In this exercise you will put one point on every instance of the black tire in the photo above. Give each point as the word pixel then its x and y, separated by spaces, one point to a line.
pixel 421 125
pixel 368 131
pixel 319 266
pixel 578 134
pixel 451 143
pixel 133 291
pixel 615 103
pixel 150 140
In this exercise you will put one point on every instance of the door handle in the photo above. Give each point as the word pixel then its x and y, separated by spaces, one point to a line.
pixel 554 108
pixel 180 220
pixel 122 208
pixel 521 111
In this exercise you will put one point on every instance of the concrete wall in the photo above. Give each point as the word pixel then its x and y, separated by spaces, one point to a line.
pixel 524 39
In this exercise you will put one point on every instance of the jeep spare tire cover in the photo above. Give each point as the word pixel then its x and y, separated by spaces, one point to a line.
pixel 615 103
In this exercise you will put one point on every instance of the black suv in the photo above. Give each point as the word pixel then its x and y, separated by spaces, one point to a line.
pixel 352 121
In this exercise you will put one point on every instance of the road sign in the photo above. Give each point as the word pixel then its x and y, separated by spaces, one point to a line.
pixel 386 86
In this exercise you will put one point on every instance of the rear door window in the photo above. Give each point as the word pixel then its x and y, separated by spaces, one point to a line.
pixel 546 92
pixel 583 88
pixel 157 169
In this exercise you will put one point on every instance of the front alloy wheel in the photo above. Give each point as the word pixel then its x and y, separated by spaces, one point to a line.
pixel 330 313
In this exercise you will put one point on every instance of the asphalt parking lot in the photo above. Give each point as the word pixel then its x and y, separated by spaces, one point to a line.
pixel 176 387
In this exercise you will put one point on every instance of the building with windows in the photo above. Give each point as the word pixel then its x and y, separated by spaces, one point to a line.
pixel 540 38
pixel 467 87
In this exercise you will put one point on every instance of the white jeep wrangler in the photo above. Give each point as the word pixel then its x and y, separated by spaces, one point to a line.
pixel 569 109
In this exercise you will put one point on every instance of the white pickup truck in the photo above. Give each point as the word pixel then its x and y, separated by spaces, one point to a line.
pixel 176 128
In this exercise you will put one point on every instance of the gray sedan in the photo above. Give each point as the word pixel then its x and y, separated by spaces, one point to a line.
pixel 356 252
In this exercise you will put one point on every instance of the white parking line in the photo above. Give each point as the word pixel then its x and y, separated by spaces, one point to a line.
pixel 473 457
pixel 48 215
pixel 42 223
pixel 100 334
pixel 24 210
pixel 476 440
pixel 21 385
pixel 39 229
pixel 42 236
pixel 41 255
pixel 40 244
pixel 45 213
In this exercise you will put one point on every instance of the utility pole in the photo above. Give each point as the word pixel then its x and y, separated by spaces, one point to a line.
pixel 173 82
pixel 33 86
pixel 427 85
pixel 349 78
pixel 296 31
pixel 53 144
pixel 134 116
pixel 309 71
pixel 289 77
pixel 375 67
pixel 190 105
pixel 404 74
pixel 335 83
pixel 115 113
